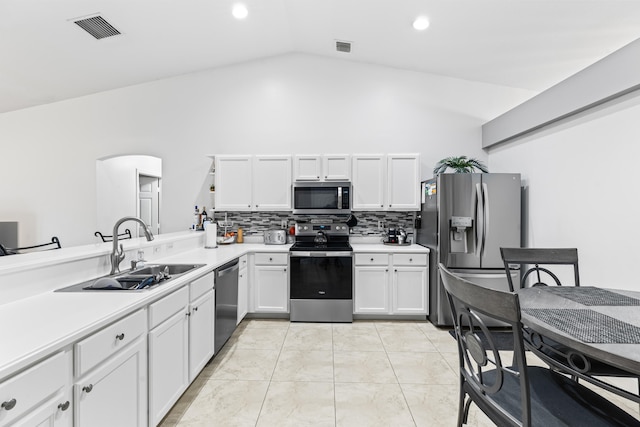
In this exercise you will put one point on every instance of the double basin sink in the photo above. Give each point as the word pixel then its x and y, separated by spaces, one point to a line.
pixel 141 279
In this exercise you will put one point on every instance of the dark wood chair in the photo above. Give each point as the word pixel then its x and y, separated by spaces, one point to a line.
pixel 537 261
pixel 53 244
pixel 515 395
pixel 125 235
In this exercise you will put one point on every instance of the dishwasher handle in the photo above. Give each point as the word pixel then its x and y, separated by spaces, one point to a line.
pixel 227 269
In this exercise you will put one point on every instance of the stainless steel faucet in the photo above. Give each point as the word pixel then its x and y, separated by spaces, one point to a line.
pixel 117 254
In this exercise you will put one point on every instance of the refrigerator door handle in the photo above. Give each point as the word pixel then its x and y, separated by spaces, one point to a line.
pixel 479 225
pixel 485 223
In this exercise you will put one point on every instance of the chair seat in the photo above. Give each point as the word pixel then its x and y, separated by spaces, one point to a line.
pixel 556 401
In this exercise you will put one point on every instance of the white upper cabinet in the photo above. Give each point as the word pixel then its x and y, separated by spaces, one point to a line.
pixel 233 183
pixel 272 183
pixel 403 182
pixel 386 182
pixel 369 173
pixel 250 183
pixel 315 167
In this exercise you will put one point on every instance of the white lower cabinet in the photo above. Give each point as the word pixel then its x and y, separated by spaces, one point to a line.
pixel 393 284
pixel 243 288
pixel 168 353
pixel 270 283
pixel 201 332
pixel 371 294
pixel 115 392
pixel 40 395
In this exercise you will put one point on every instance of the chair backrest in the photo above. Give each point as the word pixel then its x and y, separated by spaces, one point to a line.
pixel 53 244
pixel 481 366
pixel 121 236
pixel 537 261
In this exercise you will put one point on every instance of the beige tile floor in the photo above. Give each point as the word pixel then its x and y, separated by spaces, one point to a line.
pixel 366 373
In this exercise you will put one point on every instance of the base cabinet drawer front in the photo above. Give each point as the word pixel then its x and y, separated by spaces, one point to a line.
pixel 104 343
pixel 371 293
pixel 168 365
pixel 372 259
pixel 410 259
pixel 20 394
pixel 114 394
pixel 168 306
pixel 201 286
pixel 409 290
pixel 271 259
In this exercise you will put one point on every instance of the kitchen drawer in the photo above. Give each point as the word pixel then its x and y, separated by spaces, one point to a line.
pixel 410 259
pixel 271 258
pixel 201 286
pixel 243 262
pixel 372 259
pixel 103 344
pixel 168 306
pixel 25 390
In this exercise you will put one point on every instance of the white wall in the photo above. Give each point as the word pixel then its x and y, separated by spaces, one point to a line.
pixel 582 185
pixel 287 104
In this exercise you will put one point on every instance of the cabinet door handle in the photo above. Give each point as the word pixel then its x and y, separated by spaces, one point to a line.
pixel 64 406
pixel 396 270
pixel 248 206
pixel 371 259
pixel 382 206
pixel 386 270
pixel 188 313
pixel 87 388
pixel 285 269
pixel 270 259
pixel 257 206
pixel 9 404
pixel 195 308
pixel 120 336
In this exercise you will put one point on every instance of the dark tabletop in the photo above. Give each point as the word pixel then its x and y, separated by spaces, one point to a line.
pixel 600 323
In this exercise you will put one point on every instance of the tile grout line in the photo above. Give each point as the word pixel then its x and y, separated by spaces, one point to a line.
pixel 272 373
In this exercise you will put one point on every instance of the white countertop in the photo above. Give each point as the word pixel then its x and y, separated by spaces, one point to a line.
pixel 35 327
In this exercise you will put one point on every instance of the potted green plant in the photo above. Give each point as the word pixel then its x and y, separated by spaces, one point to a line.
pixel 460 164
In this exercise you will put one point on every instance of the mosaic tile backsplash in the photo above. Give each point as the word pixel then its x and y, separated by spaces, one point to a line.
pixel 368 222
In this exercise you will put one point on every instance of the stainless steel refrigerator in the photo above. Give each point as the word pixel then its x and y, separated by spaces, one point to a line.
pixel 466 218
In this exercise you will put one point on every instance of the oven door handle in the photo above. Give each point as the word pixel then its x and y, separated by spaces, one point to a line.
pixel 321 254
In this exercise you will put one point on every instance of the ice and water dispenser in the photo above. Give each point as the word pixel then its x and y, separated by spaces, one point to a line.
pixel 460 234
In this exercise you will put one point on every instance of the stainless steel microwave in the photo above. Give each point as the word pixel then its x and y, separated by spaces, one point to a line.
pixel 325 198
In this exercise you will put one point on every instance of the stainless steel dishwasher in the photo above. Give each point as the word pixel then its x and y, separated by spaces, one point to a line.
pixel 226 302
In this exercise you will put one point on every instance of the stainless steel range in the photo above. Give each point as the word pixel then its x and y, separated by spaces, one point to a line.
pixel 321 273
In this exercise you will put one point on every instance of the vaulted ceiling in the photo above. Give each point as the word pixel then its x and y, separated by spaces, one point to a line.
pixel 528 44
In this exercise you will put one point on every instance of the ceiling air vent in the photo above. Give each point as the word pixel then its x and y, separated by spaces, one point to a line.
pixel 343 46
pixel 98 27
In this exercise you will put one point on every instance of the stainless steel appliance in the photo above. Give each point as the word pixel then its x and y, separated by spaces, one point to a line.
pixel 226 287
pixel 330 198
pixel 275 237
pixel 464 221
pixel 321 274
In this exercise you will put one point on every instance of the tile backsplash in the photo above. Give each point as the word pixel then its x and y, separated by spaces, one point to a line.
pixel 369 223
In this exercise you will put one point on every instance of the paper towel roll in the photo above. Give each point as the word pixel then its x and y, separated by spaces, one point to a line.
pixel 211 235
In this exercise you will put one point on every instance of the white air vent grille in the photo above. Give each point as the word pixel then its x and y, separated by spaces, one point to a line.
pixel 98 27
pixel 343 46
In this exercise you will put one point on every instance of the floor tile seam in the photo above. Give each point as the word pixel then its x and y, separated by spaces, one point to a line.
pixel 271 377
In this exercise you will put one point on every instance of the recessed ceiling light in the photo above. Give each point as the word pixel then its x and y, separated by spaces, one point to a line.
pixel 421 23
pixel 239 11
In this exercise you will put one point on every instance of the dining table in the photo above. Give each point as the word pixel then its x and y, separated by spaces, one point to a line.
pixel 600 323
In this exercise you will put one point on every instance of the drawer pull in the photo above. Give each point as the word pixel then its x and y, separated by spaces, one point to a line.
pixel 64 406
pixel 371 259
pixel 410 259
pixel 87 388
pixel 120 336
pixel 195 308
pixel 9 404
pixel 270 259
